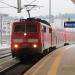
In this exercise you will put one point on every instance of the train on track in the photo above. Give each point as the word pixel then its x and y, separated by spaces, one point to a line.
pixel 32 36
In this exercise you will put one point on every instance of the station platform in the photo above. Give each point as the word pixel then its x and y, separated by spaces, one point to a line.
pixel 59 62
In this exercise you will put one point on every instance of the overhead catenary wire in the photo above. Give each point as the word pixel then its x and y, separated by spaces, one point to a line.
pixel 8 4
pixel 14 6
pixel 32 2
pixel 28 4
pixel 4 7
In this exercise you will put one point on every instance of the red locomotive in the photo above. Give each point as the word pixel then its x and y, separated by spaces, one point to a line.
pixel 30 36
pixel 33 36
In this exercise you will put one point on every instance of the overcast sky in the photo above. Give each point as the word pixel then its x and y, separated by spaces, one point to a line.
pixel 57 6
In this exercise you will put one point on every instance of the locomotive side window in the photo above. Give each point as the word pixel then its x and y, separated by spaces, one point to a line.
pixel 25 28
pixel 44 29
pixel 47 29
pixel 50 30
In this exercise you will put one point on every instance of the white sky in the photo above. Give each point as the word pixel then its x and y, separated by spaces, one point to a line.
pixel 57 6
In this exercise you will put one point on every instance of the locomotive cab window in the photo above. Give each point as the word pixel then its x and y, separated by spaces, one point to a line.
pixel 31 28
pixel 19 28
pixel 25 28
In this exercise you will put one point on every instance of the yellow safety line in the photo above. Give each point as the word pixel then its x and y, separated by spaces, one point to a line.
pixel 54 66
pixel 42 64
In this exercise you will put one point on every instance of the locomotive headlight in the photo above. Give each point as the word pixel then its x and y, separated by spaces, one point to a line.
pixel 16 46
pixel 33 40
pixel 35 46
pixel 18 40
pixel 25 34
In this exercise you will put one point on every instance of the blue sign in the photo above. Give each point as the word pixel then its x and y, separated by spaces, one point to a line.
pixel 69 24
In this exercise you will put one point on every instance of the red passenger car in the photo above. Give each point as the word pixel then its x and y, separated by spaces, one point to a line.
pixel 30 36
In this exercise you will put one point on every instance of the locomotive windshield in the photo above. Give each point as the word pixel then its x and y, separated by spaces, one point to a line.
pixel 25 28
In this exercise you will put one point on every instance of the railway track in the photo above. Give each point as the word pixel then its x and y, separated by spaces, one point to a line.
pixel 8 64
pixel 16 67
pixel 5 52
pixel 6 60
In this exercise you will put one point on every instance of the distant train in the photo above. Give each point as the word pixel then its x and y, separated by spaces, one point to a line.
pixel 32 36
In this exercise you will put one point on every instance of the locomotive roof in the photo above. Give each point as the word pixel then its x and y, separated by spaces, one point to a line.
pixel 35 19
